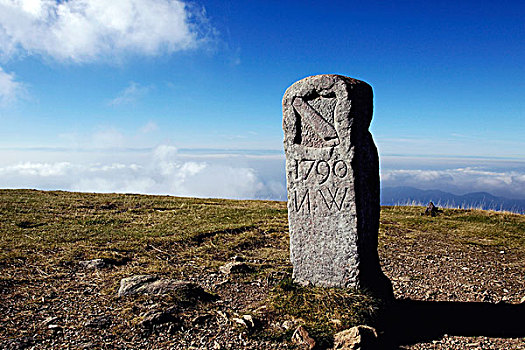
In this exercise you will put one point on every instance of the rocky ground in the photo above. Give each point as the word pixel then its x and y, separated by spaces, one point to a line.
pixel 458 278
pixel 472 296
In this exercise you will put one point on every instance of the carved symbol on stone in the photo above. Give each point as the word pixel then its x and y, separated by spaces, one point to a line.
pixel 306 198
pixel 305 167
pixel 333 197
pixel 326 173
pixel 340 169
pixel 324 129
pixel 310 167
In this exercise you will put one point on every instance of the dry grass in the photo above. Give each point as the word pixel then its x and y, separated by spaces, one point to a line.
pixel 44 235
pixel 470 226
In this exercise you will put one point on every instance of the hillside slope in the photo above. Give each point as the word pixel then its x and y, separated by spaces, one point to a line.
pixel 49 299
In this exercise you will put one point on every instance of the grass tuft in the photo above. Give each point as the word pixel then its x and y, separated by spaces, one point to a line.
pixel 324 311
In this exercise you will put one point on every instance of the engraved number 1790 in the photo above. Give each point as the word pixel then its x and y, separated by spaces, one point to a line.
pixel 321 169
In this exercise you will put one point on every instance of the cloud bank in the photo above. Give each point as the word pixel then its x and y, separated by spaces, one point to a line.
pixel 112 167
pixel 505 183
pixel 87 30
pixel 160 171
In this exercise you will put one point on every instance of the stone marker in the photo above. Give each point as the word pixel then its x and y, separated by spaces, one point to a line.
pixel 332 172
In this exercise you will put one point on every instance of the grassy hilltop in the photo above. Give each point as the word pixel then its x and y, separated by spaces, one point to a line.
pixel 48 300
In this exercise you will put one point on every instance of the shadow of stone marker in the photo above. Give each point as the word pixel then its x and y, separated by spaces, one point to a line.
pixel 332 172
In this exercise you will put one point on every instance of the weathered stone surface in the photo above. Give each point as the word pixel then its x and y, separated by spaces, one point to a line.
pixel 151 284
pixel 135 284
pixel 332 171
pixel 356 338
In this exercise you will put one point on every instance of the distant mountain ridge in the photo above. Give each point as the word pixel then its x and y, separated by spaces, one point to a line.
pixel 404 195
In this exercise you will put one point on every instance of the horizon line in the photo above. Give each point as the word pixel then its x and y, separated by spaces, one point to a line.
pixel 258 151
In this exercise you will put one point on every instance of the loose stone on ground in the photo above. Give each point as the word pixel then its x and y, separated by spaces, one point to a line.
pixel 151 284
pixel 357 338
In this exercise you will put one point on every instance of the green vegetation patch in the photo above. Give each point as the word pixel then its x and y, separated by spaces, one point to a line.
pixel 324 311
pixel 480 227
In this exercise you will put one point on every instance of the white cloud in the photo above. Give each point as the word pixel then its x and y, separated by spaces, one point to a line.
pixel 166 170
pixel 130 94
pixel 164 152
pixel 88 30
pixel 37 169
pixel 161 171
pixel 460 180
pixel 10 89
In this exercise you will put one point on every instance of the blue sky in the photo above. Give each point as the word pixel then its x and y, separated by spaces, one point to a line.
pixel 89 82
